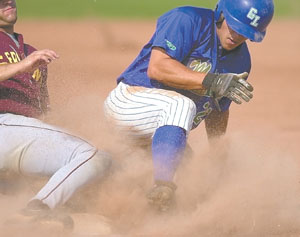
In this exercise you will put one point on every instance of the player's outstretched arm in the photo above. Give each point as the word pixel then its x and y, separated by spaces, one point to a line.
pixel 29 64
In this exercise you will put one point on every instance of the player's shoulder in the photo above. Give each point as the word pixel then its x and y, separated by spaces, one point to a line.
pixel 199 11
pixel 4 39
pixel 194 12
pixel 29 49
pixel 2 35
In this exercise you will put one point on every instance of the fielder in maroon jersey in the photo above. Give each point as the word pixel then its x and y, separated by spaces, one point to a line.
pixel 25 93
pixel 29 146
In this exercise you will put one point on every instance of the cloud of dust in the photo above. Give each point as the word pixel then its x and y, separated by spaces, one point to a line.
pixel 247 186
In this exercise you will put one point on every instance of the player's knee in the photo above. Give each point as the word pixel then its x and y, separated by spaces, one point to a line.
pixel 188 112
pixel 190 105
pixel 186 107
pixel 183 103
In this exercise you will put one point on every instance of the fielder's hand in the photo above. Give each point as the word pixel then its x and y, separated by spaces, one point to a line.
pixel 233 86
pixel 38 58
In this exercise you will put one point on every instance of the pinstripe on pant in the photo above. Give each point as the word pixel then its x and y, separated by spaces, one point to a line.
pixel 143 110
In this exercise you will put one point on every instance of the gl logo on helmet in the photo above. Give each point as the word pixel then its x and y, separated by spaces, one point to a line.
pixel 252 15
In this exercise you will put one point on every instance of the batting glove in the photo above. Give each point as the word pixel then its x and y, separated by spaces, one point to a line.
pixel 231 85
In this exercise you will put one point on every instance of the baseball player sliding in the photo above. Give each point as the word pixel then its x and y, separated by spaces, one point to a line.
pixel 193 67
pixel 29 146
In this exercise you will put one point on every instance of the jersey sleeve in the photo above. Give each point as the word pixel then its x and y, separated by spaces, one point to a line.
pixel 174 33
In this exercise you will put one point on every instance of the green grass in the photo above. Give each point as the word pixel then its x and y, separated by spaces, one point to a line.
pixel 102 8
pixel 126 8
pixel 287 8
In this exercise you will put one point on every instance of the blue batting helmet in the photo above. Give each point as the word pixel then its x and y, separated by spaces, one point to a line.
pixel 248 18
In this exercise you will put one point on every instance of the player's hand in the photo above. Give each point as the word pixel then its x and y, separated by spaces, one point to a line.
pixel 37 59
pixel 233 86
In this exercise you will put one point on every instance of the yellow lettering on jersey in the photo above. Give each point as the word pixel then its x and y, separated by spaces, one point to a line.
pixel 19 60
pixel 202 114
pixel 37 75
pixel 8 56
pixel 199 66
pixel 14 57
pixel 1 58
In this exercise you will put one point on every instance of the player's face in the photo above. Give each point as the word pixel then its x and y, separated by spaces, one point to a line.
pixel 229 38
pixel 8 14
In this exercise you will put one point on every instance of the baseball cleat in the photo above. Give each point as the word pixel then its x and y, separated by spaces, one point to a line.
pixel 38 213
pixel 162 195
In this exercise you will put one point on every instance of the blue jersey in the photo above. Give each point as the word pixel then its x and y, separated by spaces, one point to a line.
pixel 188 34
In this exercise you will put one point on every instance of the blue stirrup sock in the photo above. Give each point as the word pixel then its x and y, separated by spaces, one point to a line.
pixel 168 145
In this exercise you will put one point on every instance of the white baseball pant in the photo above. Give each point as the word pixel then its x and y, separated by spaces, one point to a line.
pixel 141 110
pixel 31 147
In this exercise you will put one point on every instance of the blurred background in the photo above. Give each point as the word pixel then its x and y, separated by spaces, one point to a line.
pixel 127 8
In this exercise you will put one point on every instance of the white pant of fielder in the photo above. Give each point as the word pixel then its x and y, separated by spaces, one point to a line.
pixel 31 147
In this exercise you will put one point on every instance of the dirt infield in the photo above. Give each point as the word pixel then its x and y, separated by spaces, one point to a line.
pixel 254 192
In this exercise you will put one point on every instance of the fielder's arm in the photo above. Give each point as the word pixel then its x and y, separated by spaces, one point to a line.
pixel 29 64
pixel 216 124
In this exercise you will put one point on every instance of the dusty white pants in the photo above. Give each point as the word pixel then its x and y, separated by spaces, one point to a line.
pixel 31 147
